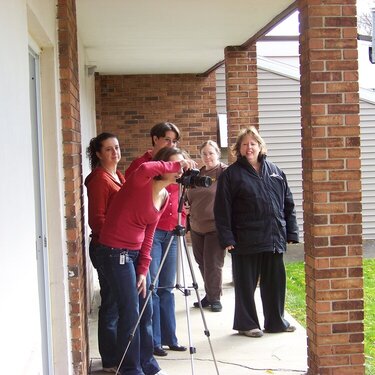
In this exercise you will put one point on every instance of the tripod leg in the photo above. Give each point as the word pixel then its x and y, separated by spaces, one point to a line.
pixel 186 292
pixel 132 334
pixel 149 295
pixel 163 298
pixel 195 287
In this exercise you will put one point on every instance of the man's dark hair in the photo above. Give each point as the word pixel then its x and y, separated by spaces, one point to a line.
pixel 159 130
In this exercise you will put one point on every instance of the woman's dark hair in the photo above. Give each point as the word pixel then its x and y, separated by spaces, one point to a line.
pixel 95 146
pixel 165 153
pixel 159 130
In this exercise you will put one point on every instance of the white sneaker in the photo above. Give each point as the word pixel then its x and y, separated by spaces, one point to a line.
pixel 161 372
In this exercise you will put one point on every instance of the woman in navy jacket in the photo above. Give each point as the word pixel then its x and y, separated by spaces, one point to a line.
pixel 255 218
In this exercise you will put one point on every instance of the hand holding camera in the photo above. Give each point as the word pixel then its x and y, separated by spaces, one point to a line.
pixel 188 164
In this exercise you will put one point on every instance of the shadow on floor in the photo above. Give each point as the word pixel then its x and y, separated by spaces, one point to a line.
pixel 282 354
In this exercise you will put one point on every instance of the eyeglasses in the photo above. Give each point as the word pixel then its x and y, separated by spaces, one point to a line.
pixel 171 141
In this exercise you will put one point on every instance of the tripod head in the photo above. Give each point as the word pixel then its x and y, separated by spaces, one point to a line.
pixel 190 178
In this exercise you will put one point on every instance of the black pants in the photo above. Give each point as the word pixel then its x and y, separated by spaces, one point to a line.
pixel 270 270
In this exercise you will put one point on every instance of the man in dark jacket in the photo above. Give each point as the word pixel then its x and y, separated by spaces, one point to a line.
pixel 255 218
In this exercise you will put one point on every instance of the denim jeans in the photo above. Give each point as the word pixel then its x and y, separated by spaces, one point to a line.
pixel 122 279
pixel 163 318
pixel 108 313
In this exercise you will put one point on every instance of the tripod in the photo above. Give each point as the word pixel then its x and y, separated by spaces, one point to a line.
pixel 179 233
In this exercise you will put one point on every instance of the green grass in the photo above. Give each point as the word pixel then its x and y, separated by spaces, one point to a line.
pixel 296 303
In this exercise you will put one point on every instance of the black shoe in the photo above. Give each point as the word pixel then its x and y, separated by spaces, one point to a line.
pixel 290 328
pixel 177 348
pixel 160 352
pixel 204 303
pixel 216 306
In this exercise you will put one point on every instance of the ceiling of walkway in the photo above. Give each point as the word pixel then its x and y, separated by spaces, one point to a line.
pixel 170 36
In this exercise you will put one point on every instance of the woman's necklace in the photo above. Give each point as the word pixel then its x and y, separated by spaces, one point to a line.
pixel 211 170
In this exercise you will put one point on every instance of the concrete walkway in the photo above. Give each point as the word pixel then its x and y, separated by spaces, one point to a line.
pixel 282 353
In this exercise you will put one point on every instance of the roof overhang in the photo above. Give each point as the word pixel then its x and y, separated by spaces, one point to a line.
pixel 171 36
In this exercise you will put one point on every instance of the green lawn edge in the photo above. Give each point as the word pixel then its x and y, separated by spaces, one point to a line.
pixel 295 303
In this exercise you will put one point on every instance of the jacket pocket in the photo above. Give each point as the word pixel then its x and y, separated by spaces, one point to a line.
pixel 250 233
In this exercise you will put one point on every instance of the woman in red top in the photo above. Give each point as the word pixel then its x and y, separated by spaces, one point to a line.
pixel 102 184
pixel 127 237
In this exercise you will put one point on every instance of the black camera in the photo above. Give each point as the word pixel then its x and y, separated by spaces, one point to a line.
pixel 190 178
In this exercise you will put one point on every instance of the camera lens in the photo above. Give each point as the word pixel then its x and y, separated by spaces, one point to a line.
pixel 202 181
pixel 191 178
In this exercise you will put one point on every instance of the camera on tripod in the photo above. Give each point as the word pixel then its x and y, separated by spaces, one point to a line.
pixel 191 178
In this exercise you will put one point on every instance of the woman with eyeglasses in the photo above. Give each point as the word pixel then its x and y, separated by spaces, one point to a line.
pixel 164 134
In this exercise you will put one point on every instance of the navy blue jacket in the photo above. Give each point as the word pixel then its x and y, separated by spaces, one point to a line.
pixel 254 212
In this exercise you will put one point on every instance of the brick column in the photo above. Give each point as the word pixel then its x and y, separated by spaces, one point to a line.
pixel 241 90
pixel 332 186
pixel 71 129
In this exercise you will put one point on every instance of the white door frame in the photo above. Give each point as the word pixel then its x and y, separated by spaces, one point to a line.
pixel 40 214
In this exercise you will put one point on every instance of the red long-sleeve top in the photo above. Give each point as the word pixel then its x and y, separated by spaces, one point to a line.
pixel 101 188
pixel 169 218
pixel 132 217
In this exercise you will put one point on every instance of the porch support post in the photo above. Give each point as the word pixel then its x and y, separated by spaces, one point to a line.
pixel 241 90
pixel 73 182
pixel 332 186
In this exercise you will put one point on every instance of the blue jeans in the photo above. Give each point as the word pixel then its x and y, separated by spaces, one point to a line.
pixel 122 279
pixel 163 318
pixel 108 313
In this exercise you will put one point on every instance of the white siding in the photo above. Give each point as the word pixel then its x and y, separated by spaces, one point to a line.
pixel 367 111
pixel 221 104
pixel 280 126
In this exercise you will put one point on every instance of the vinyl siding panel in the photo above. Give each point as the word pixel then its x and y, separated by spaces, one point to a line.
pixel 367 113
pixel 221 104
pixel 280 126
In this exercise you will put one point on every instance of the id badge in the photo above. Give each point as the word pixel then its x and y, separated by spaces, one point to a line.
pixel 122 258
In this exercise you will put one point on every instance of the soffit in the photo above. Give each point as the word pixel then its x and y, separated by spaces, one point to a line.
pixel 169 36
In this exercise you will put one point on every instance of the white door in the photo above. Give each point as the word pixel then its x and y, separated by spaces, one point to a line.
pixel 40 215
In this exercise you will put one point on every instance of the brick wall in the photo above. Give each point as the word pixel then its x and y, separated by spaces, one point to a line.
pixel 332 186
pixel 71 129
pixel 129 106
pixel 241 91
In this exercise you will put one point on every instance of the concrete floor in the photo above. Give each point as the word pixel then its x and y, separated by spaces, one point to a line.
pixel 225 352
pixel 231 354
